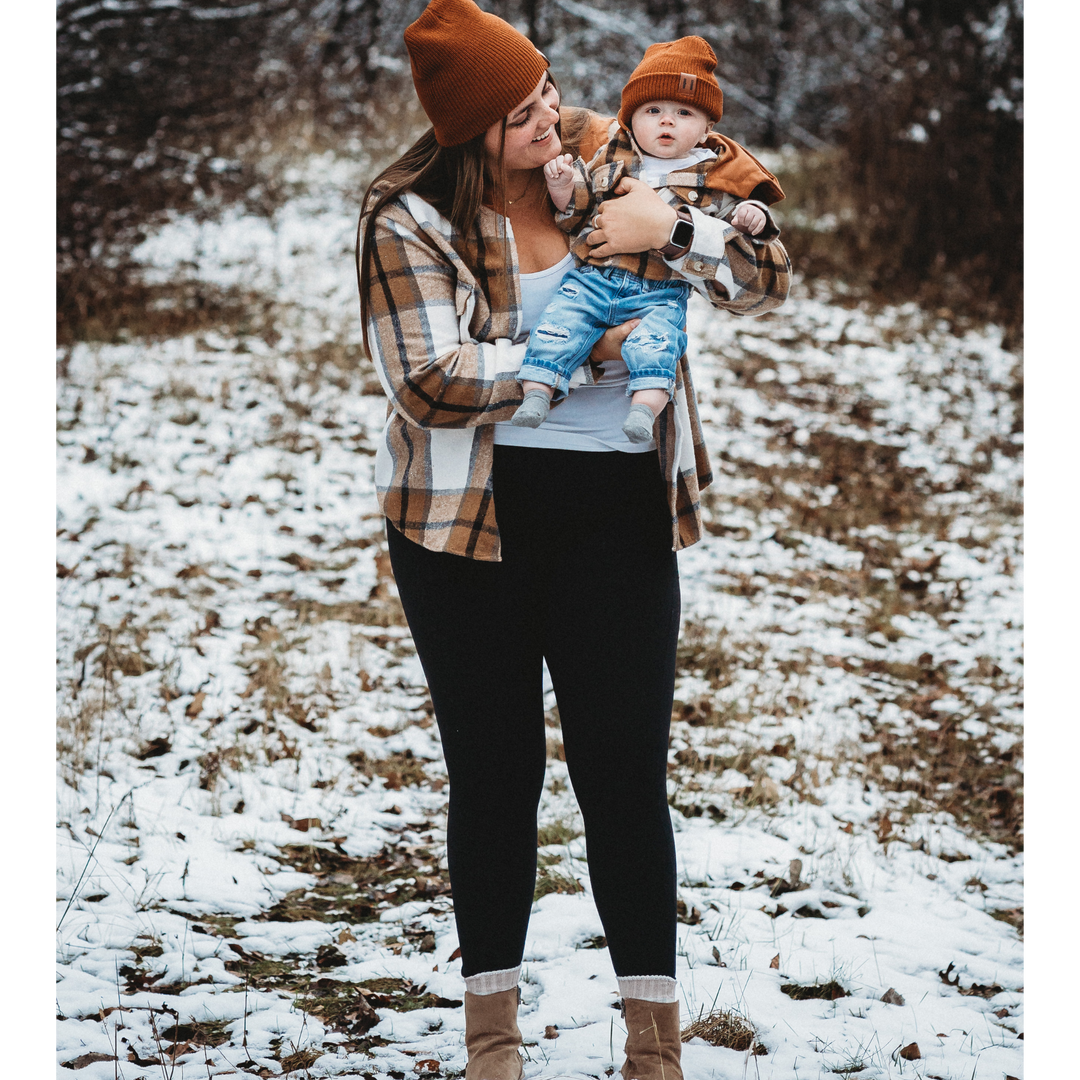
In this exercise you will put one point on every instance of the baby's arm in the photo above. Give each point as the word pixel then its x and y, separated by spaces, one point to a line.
pixel 559 174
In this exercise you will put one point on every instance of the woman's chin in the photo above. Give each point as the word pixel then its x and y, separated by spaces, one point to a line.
pixel 535 155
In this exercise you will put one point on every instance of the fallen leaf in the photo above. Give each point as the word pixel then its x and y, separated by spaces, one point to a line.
pixel 774 963
pixel 195 706
pixel 891 997
pixel 86 1059
pixel 148 1062
pixel 327 956
pixel 688 915
pixel 551 1032
pixel 911 1052
pixel 980 990
pixel 345 935
pixel 454 955
pixel 427 1067
pixel 155 748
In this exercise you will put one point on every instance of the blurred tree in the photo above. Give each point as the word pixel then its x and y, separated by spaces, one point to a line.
pixel 933 147
pixel 165 105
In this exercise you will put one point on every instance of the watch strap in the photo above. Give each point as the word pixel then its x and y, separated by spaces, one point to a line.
pixel 670 250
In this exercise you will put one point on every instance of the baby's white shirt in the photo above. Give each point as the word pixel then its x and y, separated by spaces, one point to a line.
pixel 654 169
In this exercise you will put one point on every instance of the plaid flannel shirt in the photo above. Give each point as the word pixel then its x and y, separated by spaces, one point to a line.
pixel 445 310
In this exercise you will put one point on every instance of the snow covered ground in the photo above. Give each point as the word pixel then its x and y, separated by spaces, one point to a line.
pixel 251 798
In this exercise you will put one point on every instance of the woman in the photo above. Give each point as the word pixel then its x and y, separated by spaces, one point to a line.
pixel 512 546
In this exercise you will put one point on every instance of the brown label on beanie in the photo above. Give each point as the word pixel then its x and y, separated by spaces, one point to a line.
pixel 687 83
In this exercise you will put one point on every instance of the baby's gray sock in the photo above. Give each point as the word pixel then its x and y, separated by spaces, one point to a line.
pixel 533 410
pixel 638 425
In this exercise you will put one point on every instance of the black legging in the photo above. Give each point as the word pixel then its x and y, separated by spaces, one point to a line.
pixel 588 581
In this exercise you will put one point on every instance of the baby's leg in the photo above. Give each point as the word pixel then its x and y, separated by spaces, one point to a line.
pixel 560 343
pixel 535 405
pixel 652 352
pixel 645 407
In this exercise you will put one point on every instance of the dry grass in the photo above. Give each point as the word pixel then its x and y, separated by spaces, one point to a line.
pixel 355 890
pixel 941 734
pixel 727 1029
pixel 550 880
pixel 829 991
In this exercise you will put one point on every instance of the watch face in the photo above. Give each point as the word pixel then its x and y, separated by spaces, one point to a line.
pixel 682 234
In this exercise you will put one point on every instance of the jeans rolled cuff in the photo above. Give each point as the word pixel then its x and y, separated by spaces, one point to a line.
pixel 650 382
pixel 536 373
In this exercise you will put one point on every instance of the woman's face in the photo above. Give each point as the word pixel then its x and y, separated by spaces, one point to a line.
pixel 531 138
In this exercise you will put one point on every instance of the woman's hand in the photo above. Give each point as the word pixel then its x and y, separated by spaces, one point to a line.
pixel 638 220
pixel 609 347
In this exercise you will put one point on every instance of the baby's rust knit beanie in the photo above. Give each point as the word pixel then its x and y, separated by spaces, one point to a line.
pixel 470 68
pixel 683 70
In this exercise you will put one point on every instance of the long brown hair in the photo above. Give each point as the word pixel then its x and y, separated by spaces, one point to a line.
pixel 456 180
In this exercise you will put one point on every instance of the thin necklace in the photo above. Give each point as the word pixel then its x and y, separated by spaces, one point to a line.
pixel 529 184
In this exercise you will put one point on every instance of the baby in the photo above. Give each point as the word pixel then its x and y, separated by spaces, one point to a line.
pixel 663 138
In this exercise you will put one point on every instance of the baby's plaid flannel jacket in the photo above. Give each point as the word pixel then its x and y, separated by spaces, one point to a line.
pixel 445 310
pixel 742 274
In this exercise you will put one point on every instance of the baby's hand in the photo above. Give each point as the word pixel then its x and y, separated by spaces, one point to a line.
pixel 559 174
pixel 748 219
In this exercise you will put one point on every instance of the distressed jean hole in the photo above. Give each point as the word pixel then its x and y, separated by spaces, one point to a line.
pixel 552 333
pixel 651 343
pixel 569 290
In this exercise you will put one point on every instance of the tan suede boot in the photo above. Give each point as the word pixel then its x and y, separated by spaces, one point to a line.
pixel 653 1040
pixel 492 1037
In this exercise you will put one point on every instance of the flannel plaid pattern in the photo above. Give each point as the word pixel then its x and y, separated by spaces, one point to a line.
pixel 445 310
pixel 743 275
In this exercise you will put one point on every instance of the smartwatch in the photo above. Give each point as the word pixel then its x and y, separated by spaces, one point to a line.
pixel 682 235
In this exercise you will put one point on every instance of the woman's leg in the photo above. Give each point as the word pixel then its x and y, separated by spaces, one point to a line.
pixel 610 619
pixel 615 699
pixel 483 666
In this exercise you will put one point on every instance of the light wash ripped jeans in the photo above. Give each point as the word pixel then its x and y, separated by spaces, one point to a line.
pixel 589 301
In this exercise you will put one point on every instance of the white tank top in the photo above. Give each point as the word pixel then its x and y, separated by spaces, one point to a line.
pixel 590 417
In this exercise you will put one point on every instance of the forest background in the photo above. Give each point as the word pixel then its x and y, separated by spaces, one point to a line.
pixel 912 111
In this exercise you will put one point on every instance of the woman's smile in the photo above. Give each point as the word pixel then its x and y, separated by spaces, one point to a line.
pixel 524 140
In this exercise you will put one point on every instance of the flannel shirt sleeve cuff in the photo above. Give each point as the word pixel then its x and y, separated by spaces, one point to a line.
pixel 707 259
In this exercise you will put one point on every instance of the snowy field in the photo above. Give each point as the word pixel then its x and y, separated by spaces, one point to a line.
pixel 251 797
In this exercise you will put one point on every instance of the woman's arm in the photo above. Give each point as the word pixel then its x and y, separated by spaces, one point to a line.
pixel 743 275
pixel 431 369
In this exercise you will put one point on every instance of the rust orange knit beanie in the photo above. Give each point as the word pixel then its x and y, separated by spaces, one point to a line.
pixel 683 70
pixel 470 68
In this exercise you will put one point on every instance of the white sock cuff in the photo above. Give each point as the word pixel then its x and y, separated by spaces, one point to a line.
pixel 658 988
pixel 493 982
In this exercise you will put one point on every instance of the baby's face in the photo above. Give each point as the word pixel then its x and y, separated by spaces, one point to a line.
pixel 668 129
